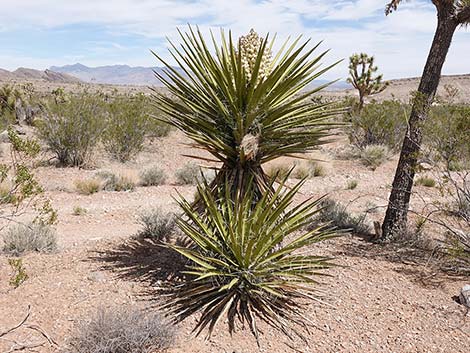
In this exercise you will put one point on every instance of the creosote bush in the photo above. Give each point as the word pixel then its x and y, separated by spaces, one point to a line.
pixel 22 238
pixel 377 124
pixel 72 128
pixel 122 330
pixel 157 224
pixel 374 155
pixel 152 176
pixel 247 260
pixel 127 123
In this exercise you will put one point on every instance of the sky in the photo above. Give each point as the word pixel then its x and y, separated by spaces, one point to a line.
pixel 41 33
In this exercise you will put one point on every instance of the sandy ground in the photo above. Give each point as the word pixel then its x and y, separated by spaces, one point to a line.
pixel 379 300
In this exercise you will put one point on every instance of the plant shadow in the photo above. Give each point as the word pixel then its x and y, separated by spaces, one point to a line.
pixel 426 266
pixel 144 260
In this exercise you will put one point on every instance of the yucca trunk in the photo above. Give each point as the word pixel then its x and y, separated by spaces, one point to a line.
pixel 395 220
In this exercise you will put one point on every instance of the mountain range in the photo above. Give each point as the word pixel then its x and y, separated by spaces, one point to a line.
pixel 24 74
pixel 127 75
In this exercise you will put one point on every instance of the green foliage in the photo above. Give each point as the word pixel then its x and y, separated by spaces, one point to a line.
pixel 71 129
pixel 9 95
pixel 446 135
pixel 19 275
pixel 374 155
pixel 382 123
pixel 244 111
pixel 18 183
pixel 157 224
pixel 426 181
pixel 29 237
pixel 115 182
pixel 248 261
pixel 88 186
pixel 352 184
pixel 152 176
pixel 126 126
pixel 361 76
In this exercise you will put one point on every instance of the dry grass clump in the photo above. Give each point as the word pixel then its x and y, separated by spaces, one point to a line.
pixel 278 171
pixel 337 215
pixel 152 176
pixel 316 169
pixel 88 186
pixel 426 181
pixel 157 224
pixel 352 184
pixel 374 155
pixel 191 174
pixel 22 238
pixel 79 211
pixel 122 330
pixel 115 182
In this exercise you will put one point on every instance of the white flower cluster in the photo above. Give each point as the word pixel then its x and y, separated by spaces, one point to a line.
pixel 249 48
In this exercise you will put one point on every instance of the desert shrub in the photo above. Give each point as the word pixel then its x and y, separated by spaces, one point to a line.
pixel 301 172
pixel 352 184
pixel 278 171
pixel 79 211
pixel 426 181
pixel 315 169
pixel 247 260
pixel 337 215
pixel 157 224
pixel 374 155
pixel 378 124
pixel 88 186
pixel 191 174
pixel 457 246
pixel 72 128
pixel 19 275
pixel 152 176
pixel 22 238
pixel 446 136
pixel 126 126
pixel 122 330
pixel 115 182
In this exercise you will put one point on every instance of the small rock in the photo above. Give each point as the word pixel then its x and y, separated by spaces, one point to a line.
pixel 97 277
pixel 464 296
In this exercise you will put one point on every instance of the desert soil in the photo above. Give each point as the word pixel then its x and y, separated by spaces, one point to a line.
pixel 377 300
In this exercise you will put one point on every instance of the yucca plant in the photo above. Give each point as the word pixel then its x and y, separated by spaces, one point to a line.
pixel 248 261
pixel 242 104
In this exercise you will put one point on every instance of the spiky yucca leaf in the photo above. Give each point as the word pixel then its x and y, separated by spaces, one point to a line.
pixel 244 110
pixel 248 261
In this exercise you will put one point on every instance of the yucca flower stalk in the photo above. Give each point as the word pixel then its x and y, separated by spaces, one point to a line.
pixel 243 105
pixel 249 262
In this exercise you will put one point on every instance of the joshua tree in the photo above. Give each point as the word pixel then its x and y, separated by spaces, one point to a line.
pixel 450 15
pixel 361 70
pixel 242 105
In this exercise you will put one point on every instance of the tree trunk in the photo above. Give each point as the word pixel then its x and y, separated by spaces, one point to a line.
pixel 396 216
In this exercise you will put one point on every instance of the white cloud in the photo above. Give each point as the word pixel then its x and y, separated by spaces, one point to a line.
pixel 400 41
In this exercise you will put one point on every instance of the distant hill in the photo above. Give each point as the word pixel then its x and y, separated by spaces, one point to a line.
pixel 24 74
pixel 127 75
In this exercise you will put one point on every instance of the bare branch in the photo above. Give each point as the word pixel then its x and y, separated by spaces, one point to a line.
pixel 18 325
